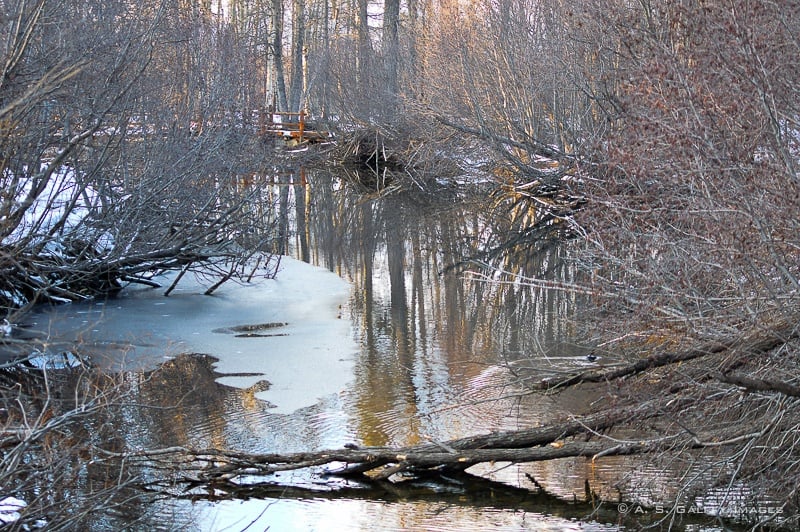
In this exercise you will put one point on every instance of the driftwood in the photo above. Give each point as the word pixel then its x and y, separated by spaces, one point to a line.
pixel 549 442
pixel 759 385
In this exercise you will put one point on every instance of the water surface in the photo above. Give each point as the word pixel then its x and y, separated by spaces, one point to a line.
pixel 394 336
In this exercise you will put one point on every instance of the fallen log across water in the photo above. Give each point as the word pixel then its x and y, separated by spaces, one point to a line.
pixel 576 437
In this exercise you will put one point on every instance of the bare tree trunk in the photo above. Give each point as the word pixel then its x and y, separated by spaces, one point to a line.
pixel 364 46
pixel 277 55
pixel 391 52
pixel 298 46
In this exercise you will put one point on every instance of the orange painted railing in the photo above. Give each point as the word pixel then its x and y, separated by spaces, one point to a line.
pixel 287 129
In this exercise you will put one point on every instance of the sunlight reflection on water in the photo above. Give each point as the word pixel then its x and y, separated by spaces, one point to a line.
pixel 354 515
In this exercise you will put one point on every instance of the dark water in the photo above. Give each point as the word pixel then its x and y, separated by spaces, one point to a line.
pixel 425 348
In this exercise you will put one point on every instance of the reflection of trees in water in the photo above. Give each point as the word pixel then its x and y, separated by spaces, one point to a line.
pixel 430 320
pixel 65 474
pixel 181 404
pixel 425 247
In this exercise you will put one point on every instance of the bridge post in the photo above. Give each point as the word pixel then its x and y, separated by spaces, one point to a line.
pixel 302 124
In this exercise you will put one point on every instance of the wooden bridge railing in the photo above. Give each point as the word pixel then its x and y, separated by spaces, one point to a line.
pixel 291 126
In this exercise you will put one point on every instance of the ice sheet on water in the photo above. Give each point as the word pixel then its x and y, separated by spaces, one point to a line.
pixel 289 330
pixel 61 360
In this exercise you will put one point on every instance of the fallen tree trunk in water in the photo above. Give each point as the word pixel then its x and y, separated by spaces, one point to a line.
pixel 755 343
pixel 549 442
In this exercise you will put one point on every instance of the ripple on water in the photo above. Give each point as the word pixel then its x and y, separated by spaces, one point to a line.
pixel 346 515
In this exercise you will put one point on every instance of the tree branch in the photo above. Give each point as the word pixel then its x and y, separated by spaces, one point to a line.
pixel 759 385
pixel 756 342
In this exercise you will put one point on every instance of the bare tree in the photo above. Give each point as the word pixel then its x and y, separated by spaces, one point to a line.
pixel 298 55
pixel 111 171
pixel 694 238
pixel 391 49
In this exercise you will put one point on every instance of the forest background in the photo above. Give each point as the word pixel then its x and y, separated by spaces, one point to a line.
pixel 663 135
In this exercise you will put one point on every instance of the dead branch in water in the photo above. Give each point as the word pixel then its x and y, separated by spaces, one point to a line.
pixel 549 442
pixel 755 343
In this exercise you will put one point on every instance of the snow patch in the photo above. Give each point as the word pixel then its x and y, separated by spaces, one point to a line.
pixel 64 200
pixel 10 508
